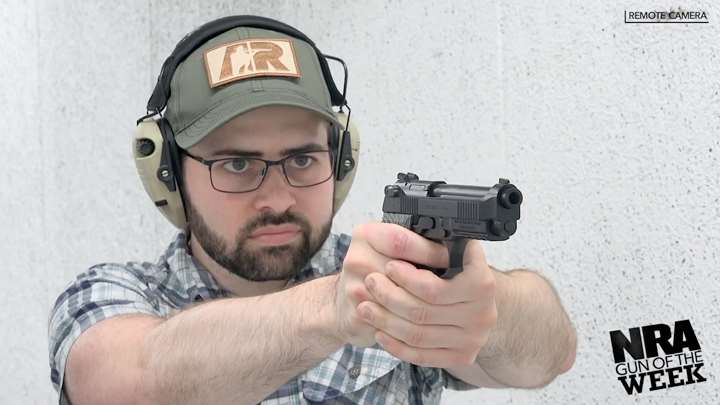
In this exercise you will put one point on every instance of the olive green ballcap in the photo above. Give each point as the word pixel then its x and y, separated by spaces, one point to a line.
pixel 240 70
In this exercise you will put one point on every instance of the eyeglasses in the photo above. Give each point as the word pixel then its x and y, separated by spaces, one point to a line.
pixel 245 174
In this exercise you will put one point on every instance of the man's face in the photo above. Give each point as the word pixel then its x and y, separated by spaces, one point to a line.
pixel 271 232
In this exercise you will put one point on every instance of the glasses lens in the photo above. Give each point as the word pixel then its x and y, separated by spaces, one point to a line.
pixel 237 174
pixel 308 168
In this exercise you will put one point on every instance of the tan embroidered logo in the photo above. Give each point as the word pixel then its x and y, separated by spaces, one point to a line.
pixel 250 58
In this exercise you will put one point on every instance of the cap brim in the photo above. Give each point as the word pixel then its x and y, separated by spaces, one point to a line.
pixel 234 106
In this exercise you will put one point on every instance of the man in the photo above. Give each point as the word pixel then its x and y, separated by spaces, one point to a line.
pixel 255 301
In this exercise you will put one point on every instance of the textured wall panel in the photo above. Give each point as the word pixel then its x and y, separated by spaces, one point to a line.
pixel 611 130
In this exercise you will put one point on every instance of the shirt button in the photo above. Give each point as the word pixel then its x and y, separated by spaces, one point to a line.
pixel 354 372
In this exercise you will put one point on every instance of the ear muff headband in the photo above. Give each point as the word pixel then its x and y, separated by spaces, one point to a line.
pixel 157 155
pixel 346 162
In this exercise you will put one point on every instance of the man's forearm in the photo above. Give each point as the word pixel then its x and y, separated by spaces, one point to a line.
pixel 534 339
pixel 240 350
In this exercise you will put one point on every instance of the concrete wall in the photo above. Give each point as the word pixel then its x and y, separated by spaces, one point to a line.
pixel 611 130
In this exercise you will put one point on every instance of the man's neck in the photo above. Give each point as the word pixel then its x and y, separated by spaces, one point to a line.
pixel 237 286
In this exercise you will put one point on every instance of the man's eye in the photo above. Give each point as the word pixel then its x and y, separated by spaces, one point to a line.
pixel 236 165
pixel 302 161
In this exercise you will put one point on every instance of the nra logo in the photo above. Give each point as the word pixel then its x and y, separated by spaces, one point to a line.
pixel 250 58
pixel 662 357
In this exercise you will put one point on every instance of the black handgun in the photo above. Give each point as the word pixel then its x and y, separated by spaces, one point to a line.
pixel 452 213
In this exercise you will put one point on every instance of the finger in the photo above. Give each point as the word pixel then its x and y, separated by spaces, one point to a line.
pixel 474 253
pixel 360 259
pixel 400 302
pixel 394 241
pixel 426 286
pixel 444 358
pixel 477 278
pixel 474 258
pixel 359 293
pixel 421 336
pixel 475 282
pixel 411 308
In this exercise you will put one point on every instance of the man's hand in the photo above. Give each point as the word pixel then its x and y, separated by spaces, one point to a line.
pixel 415 315
pixel 372 247
pixel 424 319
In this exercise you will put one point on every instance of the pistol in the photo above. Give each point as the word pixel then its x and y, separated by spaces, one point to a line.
pixel 452 214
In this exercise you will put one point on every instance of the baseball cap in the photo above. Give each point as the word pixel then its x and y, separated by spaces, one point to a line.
pixel 239 70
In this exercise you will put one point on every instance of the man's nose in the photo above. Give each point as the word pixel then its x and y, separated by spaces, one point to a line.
pixel 274 193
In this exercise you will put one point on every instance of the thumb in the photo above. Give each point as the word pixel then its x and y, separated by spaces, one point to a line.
pixel 474 254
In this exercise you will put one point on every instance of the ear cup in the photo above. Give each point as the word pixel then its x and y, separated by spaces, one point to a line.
pixel 157 174
pixel 342 187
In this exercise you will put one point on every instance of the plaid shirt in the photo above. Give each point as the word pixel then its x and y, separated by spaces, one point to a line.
pixel 350 375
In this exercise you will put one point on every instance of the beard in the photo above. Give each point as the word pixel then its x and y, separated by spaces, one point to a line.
pixel 263 263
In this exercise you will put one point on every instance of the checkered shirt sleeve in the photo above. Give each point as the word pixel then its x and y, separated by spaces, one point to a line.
pixel 100 293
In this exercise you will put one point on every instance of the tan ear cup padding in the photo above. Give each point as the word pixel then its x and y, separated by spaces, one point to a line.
pixel 147 153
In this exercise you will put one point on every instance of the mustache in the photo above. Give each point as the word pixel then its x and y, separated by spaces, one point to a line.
pixel 273 219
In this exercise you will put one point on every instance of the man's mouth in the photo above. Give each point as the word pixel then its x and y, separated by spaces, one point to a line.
pixel 275 234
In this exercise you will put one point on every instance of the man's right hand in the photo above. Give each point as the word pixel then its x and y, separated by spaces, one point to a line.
pixel 372 247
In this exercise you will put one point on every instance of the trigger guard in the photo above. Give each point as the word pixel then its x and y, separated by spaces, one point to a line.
pixel 456 249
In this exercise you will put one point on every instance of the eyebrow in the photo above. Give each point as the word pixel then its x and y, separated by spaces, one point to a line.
pixel 312 146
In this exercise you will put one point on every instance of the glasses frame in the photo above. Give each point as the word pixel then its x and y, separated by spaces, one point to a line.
pixel 268 163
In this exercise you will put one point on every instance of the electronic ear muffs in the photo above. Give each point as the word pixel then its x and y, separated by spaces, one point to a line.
pixel 157 155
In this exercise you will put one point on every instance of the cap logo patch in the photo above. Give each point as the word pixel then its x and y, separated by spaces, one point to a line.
pixel 250 58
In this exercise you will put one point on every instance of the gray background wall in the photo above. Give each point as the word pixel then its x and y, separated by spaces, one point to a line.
pixel 611 130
